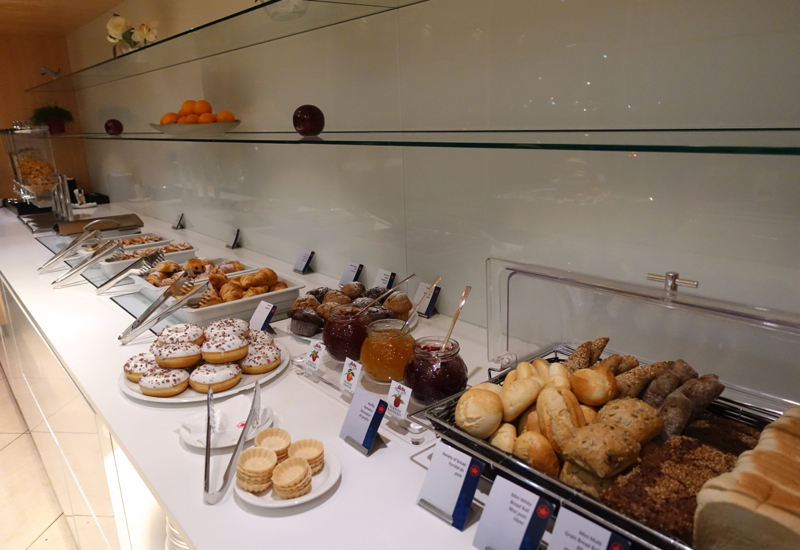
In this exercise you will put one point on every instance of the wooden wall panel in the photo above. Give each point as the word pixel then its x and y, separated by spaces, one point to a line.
pixel 21 57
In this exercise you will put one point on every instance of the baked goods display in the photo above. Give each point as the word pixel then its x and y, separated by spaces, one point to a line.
pixel 131 241
pixel 310 312
pixel 187 356
pixel 636 436
pixel 229 289
pixel 165 273
pixel 136 254
pixel 277 463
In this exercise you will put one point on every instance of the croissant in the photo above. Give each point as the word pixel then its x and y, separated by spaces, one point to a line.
pixel 280 285
pixel 217 280
pixel 255 291
pixel 255 279
pixel 155 278
pixel 193 267
pixel 272 277
pixel 167 267
pixel 230 292
pixel 168 281
pixel 210 300
pixel 230 266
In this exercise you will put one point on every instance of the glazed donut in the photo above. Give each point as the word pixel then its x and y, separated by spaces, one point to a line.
pixel 228 326
pixel 194 267
pixel 158 382
pixel 260 337
pixel 177 356
pixel 224 348
pixel 139 364
pixel 183 332
pixel 218 377
pixel 260 359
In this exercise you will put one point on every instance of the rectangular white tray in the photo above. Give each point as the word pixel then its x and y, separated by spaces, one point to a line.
pixel 154 292
pixel 112 268
pixel 156 244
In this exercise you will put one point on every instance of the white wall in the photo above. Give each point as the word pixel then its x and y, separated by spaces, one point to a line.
pixel 729 221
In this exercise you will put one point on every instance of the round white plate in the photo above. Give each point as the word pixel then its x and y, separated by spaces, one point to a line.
pixel 318 336
pixel 211 129
pixel 233 439
pixel 320 484
pixel 131 389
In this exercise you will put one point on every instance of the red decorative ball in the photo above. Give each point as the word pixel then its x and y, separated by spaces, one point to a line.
pixel 308 120
pixel 113 127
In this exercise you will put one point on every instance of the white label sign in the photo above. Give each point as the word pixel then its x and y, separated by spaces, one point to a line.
pixel 351 273
pixel 384 278
pixel 262 316
pixel 303 261
pixel 506 516
pixel 363 420
pixel 573 532
pixel 314 356
pixel 351 374
pixel 398 399
pixel 426 307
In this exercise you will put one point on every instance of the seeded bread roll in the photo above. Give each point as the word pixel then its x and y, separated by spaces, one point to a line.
pixel 602 450
pixel 637 418
pixel 595 386
pixel 598 346
pixel 479 413
pixel 584 480
pixel 631 383
pixel 580 358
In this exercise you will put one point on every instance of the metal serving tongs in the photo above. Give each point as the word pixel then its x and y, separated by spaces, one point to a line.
pixel 135 328
pixel 108 249
pixel 71 248
pixel 227 477
pixel 142 266
pixel 190 298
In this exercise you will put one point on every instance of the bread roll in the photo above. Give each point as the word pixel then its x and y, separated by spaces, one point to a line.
pixel 479 413
pixel 557 369
pixel 598 346
pixel 510 377
pixel 504 438
pixel 518 396
pixel 619 364
pixel 595 386
pixel 494 388
pixel 638 419
pixel 542 368
pixel 522 445
pixel 702 391
pixel 541 455
pixel 675 412
pixel 584 480
pixel 559 382
pixel 559 414
pixel 589 414
pixel 662 385
pixel 523 419
pixel 631 383
pixel 601 449
pixel 580 358
pixel 524 370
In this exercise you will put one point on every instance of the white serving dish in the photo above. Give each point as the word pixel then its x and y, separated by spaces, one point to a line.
pixel 220 442
pixel 211 129
pixel 244 308
pixel 112 268
pixel 155 244
pixel 154 292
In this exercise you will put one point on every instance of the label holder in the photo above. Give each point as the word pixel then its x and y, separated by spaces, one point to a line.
pixel 179 223
pixel 303 263
pixel 234 240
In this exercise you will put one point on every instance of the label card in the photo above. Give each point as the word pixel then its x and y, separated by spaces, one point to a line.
pixel 399 396
pixel 303 261
pixel 178 222
pixel 314 356
pixel 351 273
pixel 233 242
pixel 262 316
pixel 384 278
pixel 426 308
pixel 351 374
pixel 363 420
pixel 575 532
pixel 450 484
pixel 513 519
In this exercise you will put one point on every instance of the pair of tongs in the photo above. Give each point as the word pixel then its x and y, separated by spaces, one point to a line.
pixel 108 249
pixel 142 266
pixel 230 471
pixel 69 250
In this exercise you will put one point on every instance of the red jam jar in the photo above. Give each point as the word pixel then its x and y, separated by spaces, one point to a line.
pixel 344 333
pixel 433 374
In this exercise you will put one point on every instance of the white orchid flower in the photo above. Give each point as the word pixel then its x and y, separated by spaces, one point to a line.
pixel 145 34
pixel 117 26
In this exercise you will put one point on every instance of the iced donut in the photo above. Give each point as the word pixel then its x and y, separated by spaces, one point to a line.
pixel 260 359
pixel 158 382
pixel 227 326
pixel 177 356
pixel 261 337
pixel 224 348
pixel 138 364
pixel 178 334
pixel 219 377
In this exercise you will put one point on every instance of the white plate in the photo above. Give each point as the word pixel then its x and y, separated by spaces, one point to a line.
pixel 210 129
pixel 320 484
pixel 131 389
pixel 318 335
pixel 186 437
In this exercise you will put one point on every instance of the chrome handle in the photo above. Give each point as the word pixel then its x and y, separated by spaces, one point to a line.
pixel 107 249
pixel 671 281
pixel 138 327
pixel 70 248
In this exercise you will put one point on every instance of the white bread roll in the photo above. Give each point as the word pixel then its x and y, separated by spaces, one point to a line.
pixel 524 370
pixel 557 369
pixel 504 438
pixel 510 377
pixel 541 455
pixel 595 386
pixel 522 444
pixel 542 368
pixel 479 413
pixel 560 415
pixel 589 414
pixel 518 396
pixel 494 388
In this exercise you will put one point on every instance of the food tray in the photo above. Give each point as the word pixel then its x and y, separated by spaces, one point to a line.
pixel 112 268
pixel 154 292
pixel 155 244
pixel 244 308
pixel 441 418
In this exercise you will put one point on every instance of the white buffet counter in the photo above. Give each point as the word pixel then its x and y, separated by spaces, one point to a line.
pixel 374 504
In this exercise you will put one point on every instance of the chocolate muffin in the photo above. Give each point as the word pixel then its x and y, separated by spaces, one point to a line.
pixel 319 293
pixel 376 313
pixel 374 292
pixel 305 322
pixel 362 302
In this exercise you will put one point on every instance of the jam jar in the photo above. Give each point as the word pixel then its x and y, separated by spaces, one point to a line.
pixel 344 333
pixel 434 374
pixel 386 350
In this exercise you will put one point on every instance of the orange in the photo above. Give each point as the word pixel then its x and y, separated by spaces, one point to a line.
pixel 225 116
pixel 202 107
pixel 206 118
pixel 187 108
pixel 182 120
pixel 169 118
pixel 192 119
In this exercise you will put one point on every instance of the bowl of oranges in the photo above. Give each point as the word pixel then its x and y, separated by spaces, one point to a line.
pixel 196 118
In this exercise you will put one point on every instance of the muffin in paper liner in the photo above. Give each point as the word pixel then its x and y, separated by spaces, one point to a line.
pixel 276 440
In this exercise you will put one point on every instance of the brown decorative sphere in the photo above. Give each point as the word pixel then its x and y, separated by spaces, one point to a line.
pixel 308 120
pixel 113 127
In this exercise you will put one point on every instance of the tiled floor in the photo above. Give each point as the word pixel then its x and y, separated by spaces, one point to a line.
pixel 30 516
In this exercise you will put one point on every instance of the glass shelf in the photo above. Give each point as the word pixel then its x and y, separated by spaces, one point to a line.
pixel 240 30
pixel 727 141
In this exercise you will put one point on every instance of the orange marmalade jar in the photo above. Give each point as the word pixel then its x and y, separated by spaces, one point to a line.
pixel 386 350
